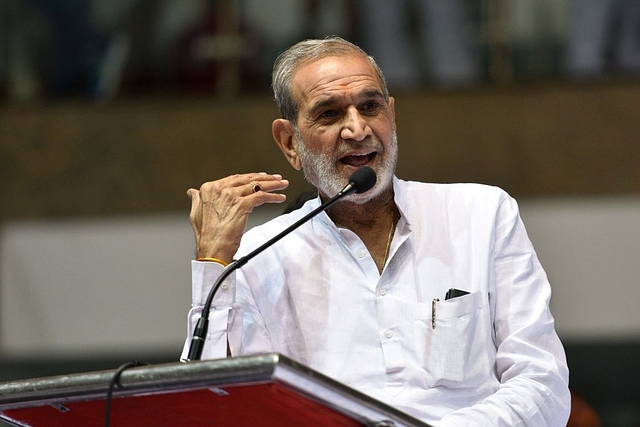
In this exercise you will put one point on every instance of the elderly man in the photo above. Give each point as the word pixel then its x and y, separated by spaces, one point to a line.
pixel 360 292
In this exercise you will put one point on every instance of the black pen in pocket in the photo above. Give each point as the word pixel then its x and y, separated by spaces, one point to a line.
pixel 454 293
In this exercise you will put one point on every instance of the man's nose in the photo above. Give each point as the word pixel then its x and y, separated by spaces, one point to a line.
pixel 355 126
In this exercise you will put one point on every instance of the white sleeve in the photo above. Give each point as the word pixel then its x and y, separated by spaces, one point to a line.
pixel 222 313
pixel 530 359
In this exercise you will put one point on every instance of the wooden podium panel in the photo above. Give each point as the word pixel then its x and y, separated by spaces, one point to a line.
pixel 263 390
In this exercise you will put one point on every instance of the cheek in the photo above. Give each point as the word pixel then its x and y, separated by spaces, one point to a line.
pixel 319 141
pixel 384 132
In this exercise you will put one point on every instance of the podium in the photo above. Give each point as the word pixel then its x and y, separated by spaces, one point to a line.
pixel 262 390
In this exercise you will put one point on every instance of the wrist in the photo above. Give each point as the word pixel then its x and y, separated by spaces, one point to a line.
pixel 210 259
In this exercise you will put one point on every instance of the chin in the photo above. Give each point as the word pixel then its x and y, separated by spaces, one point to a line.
pixel 381 187
pixel 360 199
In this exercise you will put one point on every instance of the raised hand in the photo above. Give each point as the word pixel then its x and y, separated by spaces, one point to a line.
pixel 220 209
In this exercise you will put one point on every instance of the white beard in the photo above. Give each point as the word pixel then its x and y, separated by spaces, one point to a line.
pixel 320 170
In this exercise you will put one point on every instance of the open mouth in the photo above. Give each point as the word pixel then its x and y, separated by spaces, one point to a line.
pixel 358 160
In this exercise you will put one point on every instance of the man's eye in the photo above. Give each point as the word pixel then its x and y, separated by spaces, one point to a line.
pixel 370 107
pixel 328 114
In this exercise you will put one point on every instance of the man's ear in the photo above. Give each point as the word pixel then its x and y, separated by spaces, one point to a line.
pixel 392 109
pixel 284 135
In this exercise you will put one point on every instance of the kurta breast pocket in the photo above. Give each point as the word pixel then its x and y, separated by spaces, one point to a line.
pixel 455 348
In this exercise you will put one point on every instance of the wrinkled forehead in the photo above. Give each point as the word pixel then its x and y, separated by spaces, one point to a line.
pixel 341 67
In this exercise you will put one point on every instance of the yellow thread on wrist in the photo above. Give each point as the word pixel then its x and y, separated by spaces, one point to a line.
pixel 219 261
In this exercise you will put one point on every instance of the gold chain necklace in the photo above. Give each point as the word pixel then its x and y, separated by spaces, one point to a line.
pixel 396 218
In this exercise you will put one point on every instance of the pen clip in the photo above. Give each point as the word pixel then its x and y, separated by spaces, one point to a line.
pixel 433 312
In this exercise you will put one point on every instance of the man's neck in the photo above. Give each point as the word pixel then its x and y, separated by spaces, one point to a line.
pixel 366 216
pixel 374 222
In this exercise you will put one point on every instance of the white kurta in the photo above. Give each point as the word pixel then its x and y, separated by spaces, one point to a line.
pixel 492 357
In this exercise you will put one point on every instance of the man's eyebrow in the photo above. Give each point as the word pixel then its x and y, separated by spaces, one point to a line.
pixel 332 100
pixel 320 104
pixel 373 93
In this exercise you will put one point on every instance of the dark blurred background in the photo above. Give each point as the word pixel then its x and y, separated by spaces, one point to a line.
pixel 100 50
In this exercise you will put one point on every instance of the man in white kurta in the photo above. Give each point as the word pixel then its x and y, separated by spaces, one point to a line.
pixel 358 292
pixel 317 297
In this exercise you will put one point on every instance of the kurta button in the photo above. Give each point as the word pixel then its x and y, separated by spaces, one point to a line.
pixel 224 285
pixel 360 253
pixel 382 291
pixel 388 333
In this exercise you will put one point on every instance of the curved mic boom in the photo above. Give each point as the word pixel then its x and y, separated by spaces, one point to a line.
pixel 362 180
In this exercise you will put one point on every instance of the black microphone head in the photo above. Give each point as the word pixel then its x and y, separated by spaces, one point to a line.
pixel 363 179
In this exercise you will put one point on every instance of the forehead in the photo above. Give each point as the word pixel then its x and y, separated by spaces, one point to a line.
pixel 336 75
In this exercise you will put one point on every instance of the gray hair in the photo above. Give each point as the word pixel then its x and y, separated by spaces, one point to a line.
pixel 289 60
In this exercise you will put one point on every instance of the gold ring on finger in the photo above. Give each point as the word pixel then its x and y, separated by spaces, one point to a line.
pixel 255 186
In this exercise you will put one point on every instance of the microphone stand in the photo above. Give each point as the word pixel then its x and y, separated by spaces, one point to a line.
pixel 200 331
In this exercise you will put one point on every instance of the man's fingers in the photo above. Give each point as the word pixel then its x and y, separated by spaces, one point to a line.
pixel 194 195
pixel 252 185
pixel 260 178
pixel 219 209
pixel 192 192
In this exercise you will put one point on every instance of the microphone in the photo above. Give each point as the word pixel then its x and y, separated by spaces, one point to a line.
pixel 360 181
